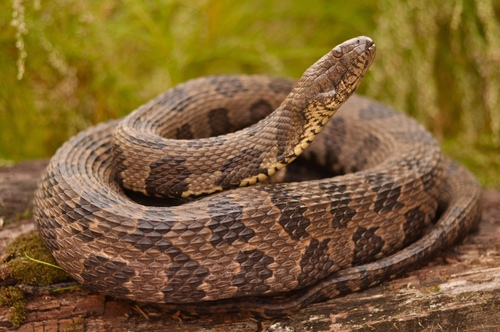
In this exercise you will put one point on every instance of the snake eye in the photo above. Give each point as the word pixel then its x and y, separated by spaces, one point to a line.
pixel 337 52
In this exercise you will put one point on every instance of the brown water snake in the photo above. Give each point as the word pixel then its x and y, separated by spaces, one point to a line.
pixel 271 248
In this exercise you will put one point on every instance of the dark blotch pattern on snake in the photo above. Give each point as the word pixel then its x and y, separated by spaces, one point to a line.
pixel 232 251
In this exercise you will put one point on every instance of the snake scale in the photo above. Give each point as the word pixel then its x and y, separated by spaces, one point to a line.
pixel 267 249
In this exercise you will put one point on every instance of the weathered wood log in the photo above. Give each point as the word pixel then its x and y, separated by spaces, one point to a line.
pixel 458 291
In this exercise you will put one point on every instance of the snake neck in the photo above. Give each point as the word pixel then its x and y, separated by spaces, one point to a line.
pixel 323 88
pixel 292 128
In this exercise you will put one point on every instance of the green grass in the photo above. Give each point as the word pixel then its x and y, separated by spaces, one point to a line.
pixel 83 62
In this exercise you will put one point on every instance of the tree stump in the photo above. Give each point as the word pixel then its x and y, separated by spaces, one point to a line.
pixel 459 290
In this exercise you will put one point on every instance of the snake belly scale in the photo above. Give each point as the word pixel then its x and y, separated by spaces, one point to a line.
pixel 269 248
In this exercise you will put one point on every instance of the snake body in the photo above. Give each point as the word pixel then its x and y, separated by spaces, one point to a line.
pixel 270 248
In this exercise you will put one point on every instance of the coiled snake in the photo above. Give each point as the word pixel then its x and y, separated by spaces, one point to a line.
pixel 270 248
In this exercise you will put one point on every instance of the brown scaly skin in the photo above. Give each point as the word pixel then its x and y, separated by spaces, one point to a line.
pixel 266 249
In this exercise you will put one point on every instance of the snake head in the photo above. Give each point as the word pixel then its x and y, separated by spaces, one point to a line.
pixel 334 77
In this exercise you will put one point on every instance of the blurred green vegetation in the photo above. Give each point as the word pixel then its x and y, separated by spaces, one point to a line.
pixel 68 64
